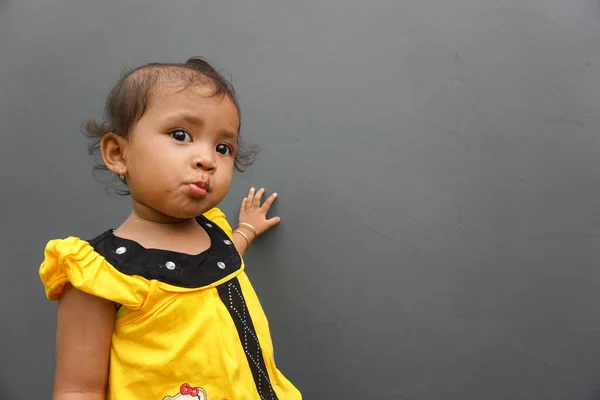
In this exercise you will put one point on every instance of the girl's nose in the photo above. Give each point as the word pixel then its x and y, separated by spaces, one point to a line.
pixel 205 161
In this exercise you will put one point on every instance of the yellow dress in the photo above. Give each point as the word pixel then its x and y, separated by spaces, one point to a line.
pixel 189 326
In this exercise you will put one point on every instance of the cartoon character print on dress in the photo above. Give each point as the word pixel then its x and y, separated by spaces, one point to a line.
pixel 187 392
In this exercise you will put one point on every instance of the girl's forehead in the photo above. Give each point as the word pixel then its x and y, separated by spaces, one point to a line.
pixel 192 102
pixel 193 97
pixel 165 92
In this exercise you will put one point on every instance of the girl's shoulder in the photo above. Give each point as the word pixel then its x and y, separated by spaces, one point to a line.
pixel 76 262
pixel 218 217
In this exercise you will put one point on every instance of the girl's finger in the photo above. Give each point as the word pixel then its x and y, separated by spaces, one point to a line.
pixel 273 221
pixel 257 198
pixel 250 197
pixel 244 201
pixel 269 202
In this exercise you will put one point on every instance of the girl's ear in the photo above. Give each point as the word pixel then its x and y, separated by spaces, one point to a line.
pixel 112 149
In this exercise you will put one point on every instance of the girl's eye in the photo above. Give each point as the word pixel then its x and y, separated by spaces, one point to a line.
pixel 224 149
pixel 181 136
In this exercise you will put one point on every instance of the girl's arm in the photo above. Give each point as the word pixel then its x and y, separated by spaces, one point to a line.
pixel 83 338
pixel 253 219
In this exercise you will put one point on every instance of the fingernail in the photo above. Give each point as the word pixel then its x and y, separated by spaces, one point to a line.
pixel 274 194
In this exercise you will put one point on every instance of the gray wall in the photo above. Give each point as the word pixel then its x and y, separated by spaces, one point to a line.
pixel 437 164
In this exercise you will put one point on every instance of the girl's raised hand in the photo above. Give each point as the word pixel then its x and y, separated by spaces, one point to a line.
pixel 253 215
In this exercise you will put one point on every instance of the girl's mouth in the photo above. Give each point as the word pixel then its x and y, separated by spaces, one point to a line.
pixel 198 189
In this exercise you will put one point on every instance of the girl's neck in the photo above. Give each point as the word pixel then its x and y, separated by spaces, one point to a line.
pixel 184 236
pixel 147 221
pixel 141 221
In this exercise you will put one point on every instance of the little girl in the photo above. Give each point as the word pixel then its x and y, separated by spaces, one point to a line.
pixel 161 307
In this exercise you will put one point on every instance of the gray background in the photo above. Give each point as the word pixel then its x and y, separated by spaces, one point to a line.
pixel 437 165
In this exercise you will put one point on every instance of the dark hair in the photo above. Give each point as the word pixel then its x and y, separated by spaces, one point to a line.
pixel 128 100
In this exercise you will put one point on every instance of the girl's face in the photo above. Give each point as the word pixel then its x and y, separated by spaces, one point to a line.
pixel 179 158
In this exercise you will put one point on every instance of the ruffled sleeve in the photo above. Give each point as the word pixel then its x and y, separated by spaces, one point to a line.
pixel 74 261
pixel 217 216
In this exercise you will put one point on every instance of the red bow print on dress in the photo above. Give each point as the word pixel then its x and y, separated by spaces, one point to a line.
pixel 187 389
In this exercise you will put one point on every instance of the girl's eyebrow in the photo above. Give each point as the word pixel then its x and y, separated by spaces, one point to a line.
pixel 185 116
pixel 226 134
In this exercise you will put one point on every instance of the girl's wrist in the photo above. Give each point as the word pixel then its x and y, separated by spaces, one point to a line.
pixel 247 227
pixel 246 238
pixel 247 232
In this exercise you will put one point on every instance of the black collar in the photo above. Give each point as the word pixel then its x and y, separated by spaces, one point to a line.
pixel 178 269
